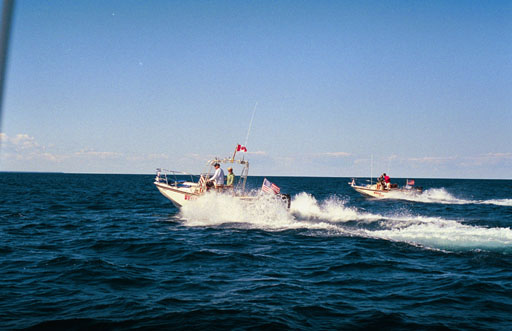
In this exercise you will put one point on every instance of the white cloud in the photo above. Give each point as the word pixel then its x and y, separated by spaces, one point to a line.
pixel 145 157
pixel 195 156
pixel 24 152
pixel 51 157
pixel 24 141
pixel 335 154
pixel 475 160
pixel 95 154
pixel 498 155
pixel 158 156
pixel 487 159
pixel 432 159
pixel 257 153
pixel 23 147
pixel 19 142
pixel 364 161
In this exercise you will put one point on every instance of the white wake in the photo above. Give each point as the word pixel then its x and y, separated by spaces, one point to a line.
pixel 441 195
pixel 333 218
pixel 263 213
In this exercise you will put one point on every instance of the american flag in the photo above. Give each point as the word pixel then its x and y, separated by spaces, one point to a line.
pixel 270 187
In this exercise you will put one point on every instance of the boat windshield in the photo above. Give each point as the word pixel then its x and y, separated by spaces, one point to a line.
pixel 173 177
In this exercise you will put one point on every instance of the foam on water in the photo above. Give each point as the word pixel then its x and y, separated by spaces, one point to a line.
pixel 447 235
pixel 441 195
pixel 333 209
pixel 262 213
pixel 439 233
pixel 333 216
pixel 498 202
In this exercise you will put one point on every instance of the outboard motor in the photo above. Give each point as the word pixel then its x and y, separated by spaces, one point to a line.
pixel 286 199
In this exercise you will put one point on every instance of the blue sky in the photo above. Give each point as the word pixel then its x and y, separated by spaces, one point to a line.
pixel 128 86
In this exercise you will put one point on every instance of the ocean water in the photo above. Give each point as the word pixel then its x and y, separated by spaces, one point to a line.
pixel 109 251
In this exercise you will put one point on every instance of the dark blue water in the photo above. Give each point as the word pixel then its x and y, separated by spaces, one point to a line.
pixel 108 251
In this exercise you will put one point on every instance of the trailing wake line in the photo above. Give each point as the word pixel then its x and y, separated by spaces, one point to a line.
pixel 332 218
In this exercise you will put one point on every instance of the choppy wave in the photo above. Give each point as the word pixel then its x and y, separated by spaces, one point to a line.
pixel 333 216
pixel 109 251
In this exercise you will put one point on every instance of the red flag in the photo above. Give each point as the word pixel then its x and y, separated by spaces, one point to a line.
pixel 241 148
pixel 410 182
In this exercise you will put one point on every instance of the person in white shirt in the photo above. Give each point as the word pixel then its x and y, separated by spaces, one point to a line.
pixel 218 177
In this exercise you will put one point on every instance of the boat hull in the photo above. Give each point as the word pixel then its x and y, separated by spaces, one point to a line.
pixel 393 193
pixel 178 196
pixel 182 196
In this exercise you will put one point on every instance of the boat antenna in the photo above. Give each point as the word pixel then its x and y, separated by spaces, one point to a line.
pixel 371 171
pixel 237 148
pixel 250 124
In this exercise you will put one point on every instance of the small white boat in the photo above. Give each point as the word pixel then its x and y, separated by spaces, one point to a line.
pixel 383 191
pixel 178 191
pixel 181 191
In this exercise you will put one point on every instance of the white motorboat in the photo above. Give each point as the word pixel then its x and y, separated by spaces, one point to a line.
pixel 182 191
pixel 383 191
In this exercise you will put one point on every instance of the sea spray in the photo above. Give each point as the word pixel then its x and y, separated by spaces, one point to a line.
pixel 334 218
pixel 333 209
pixel 442 196
pixel 263 211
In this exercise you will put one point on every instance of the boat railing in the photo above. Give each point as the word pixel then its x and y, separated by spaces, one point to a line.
pixel 226 161
pixel 170 177
pixel 240 180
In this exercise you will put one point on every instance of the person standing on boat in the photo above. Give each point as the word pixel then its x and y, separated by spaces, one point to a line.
pixel 387 180
pixel 230 178
pixel 380 182
pixel 218 177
